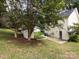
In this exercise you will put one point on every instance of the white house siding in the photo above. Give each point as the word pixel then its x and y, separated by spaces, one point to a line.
pixel 25 34
pixel 65 35
pixel 73 18
pixel 55 32
pixel 64 30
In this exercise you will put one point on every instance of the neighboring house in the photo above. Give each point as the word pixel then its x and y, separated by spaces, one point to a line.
pixel 70 17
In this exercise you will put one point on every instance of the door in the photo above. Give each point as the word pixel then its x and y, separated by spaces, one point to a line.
pixel 60 34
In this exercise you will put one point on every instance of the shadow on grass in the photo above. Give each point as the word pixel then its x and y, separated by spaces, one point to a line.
pixel 24 42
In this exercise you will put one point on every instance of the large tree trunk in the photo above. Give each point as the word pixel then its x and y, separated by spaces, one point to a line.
pixel 30 17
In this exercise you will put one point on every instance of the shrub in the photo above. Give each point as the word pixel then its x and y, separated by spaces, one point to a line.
pixel 74 38
pixel 38 35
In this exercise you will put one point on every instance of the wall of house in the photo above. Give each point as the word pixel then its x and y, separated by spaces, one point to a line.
pixel 55 32
pixel 73 18
pixel 65 35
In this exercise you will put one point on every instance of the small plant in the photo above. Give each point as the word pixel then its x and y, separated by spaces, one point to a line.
pixel 38 35
pixel 74 38
pixel 74 34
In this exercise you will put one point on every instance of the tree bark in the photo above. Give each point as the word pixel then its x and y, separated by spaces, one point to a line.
pixel 16 34
pixel 30 17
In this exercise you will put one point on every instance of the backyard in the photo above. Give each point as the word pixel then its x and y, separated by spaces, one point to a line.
pixel 41 49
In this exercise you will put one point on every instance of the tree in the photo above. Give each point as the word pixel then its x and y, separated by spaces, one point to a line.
pixel 2 10
pixel 76 5
pixel 14 16
pixel 32 13
pixel 42 13
pixel 72 4
pixel 2 6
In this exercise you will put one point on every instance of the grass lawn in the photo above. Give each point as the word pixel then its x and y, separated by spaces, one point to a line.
pixel 44 49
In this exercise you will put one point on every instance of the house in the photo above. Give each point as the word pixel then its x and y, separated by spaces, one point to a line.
pixel 70 17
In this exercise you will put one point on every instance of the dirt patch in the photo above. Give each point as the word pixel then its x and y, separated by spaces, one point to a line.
pixel 70 55
pixel 22 41
pixel 3 56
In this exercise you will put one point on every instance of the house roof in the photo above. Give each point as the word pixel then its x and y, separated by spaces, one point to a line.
pixel 66 13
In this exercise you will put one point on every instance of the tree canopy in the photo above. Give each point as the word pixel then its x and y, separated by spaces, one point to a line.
pixel 31 13
pixel 2 7
pixel 42 13
pixel 72 4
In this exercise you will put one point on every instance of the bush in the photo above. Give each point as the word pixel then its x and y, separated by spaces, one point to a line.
pixel 38 35
pixel 74 38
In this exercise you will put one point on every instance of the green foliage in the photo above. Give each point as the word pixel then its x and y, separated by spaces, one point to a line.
pixel 72 4
pixel 76 4
pixel 14 15
pixel 37 13
pixel 48 13
pixel 2 7
pixel 38 35
pixel 74 38
pixel 14 19
pixel 75 28
pixel 42 14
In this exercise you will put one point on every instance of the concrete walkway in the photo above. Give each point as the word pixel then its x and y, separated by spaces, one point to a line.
pixel 55 40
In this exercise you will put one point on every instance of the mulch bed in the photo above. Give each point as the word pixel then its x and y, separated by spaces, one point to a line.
pixel 24 41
